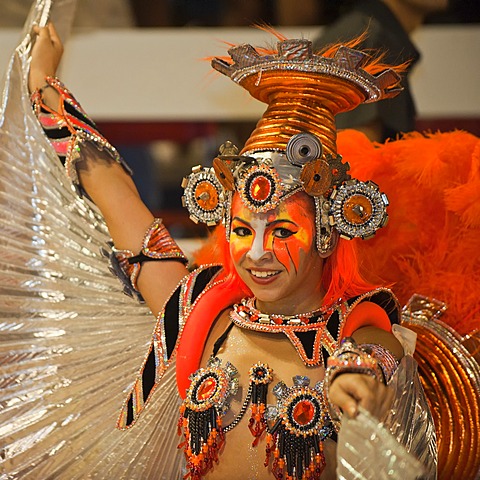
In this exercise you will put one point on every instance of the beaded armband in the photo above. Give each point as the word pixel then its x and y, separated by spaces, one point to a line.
pixel 69 127
pixel 368 359
pixel 157 245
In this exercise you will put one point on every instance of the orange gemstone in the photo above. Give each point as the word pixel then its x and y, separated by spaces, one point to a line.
pixel 260 188
pixel 303 412
pixel 358 209
pixel 206 195
pixel 207 389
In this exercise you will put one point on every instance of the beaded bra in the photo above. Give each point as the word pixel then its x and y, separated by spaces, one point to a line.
pixel 299 422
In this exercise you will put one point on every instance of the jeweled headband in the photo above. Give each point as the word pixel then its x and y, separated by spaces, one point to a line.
pixel 293 147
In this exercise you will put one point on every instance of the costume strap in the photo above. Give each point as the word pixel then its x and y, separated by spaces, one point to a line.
pixel 157 245
pixel 165 341
pixel 378 308
pixel 69 128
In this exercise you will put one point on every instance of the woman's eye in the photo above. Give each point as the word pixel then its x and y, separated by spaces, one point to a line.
pixel 242 232
pixel 283 233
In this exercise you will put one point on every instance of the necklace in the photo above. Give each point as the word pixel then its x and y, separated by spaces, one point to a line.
pixel 247 311
pixel 245 315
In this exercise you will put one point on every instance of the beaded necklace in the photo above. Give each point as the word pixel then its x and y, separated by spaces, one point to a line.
pixel 248 312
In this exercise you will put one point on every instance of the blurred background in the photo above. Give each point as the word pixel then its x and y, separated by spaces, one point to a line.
pixel 138 67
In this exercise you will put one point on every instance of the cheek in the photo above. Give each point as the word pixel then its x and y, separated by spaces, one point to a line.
pixel 239 247
pixel 290 252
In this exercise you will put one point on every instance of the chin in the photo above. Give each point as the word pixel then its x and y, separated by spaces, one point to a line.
pixel 264 293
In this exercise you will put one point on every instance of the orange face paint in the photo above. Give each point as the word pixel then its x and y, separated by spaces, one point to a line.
pixel 287 231
pixel 274 253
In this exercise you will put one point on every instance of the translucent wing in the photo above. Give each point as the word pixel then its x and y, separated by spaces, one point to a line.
pixel 70 341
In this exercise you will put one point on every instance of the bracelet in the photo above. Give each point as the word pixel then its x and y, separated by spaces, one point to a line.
pixel 349 358
pixel 157 245
pixel 386 361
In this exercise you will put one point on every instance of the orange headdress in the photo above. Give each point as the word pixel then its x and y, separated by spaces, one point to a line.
pixel 293 147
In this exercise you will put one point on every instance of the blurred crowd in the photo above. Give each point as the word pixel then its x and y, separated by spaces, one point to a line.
pixel 212 13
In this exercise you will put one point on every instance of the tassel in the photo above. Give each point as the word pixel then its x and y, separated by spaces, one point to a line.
pixel 260 376
pixel 201 416
pixel 296 439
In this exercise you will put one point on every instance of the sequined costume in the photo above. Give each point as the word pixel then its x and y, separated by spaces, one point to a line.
pixel 65 354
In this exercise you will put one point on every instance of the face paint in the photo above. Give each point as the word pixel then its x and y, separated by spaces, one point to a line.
pixel 274 252
pixel 299 228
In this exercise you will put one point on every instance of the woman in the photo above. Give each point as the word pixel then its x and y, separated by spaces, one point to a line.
pixel 284 200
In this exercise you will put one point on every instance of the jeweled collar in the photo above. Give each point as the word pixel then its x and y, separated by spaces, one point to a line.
pixel 306 331
pixel 246 314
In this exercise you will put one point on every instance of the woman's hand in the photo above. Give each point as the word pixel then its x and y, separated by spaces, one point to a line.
pixel 46 55
pixel 348 391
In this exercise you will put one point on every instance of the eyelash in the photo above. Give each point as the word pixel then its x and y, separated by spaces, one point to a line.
pixel 283 233
pixel 242 232
pixel 277 232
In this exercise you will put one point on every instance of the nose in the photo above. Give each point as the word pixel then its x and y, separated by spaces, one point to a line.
pixel 257 250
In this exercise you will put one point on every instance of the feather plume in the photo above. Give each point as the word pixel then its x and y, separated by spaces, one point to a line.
pixel 432 242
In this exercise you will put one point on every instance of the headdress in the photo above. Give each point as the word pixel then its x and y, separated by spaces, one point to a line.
pixel 293 147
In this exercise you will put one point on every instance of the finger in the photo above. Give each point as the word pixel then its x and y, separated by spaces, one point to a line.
pixel 361 388
pixel 44 31
pixel 346 403
pixel 53 34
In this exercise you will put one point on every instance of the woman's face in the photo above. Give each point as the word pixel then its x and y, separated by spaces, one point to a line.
pixel 274 254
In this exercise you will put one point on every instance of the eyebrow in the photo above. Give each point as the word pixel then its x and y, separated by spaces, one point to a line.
pixel 269 224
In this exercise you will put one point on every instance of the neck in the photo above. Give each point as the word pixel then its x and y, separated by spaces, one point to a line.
pixel 409 15
pixel 306 305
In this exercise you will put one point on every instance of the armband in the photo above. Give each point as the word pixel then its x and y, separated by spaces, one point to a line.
pixel 69 128
pixel 157 245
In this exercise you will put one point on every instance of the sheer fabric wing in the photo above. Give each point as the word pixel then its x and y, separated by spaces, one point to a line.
pixel 70 340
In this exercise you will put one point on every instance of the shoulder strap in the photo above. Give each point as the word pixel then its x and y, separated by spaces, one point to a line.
pixel 162 349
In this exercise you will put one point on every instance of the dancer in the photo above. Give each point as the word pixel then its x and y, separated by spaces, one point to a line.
pixel 71 339
pixel 289 301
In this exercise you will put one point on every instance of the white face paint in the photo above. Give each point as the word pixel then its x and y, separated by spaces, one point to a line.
pixel 258 225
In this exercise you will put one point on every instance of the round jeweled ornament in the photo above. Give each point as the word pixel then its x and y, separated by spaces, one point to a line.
pixel 358 209
pixel 211 386
pixel 260 188
pixel 203 196
pixel 303 411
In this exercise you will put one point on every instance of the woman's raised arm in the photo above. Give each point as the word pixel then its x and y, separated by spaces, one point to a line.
pixel 104 180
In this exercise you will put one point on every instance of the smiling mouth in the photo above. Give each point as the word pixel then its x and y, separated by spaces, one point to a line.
pixel 264 274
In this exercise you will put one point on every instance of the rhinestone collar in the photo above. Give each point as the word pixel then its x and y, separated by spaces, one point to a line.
pixel 247 312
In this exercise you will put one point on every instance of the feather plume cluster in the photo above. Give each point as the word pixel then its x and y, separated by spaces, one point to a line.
pixel 431 244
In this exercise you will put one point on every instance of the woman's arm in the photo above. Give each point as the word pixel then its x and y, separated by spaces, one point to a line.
pixel 107 184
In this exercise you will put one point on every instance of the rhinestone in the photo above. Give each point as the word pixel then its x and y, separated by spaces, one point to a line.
pixel 303 412
pixel 301 381
pixel 272 412
pixel 207 389
pixel 260 188
pixel 280 389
